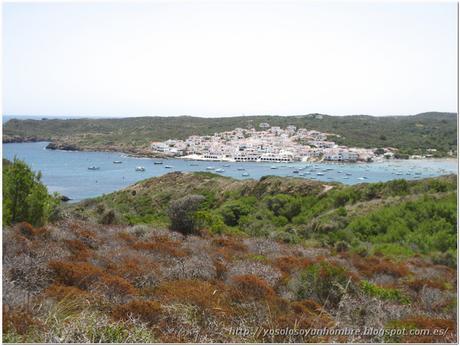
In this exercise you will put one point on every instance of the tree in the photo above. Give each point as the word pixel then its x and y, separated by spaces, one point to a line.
pixel 25 198
pixel 182 213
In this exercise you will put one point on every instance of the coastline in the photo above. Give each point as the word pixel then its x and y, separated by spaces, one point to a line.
pixel 147 154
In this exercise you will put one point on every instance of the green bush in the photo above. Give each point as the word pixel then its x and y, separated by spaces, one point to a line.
pixel 384 293
pixel 325 282
pixel 284 205
pixel 25 198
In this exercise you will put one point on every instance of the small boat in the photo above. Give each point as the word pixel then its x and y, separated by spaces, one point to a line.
pixel 240 168
pixel 418 173
pixel 273 167
pixel 117 162
pixel 362 178
pixel 220 170
pixel 348 174
pixel 209 168
pixel 245 174
pixel 93 168
pixel 158 163
pixel 194 164
pixel 227 165
pixel 295 171
pixel 319 173
pixel 167 167
pixel 140 169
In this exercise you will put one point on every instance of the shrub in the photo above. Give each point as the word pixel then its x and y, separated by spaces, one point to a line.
pixel 251 286
pixel 203 294
pixel 182 213
pixel 289 264
pixel 233 211
pixel 79 274
pixel 18 321
pixel 325 282
pixel 147 311
pixel 162 245
pixel 255 268
pixel 370 266
pixel 25 198
pixel 284 205
pixel 108 218
pixel 384 293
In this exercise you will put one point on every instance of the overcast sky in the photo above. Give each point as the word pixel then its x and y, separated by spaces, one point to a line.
pixel 215 58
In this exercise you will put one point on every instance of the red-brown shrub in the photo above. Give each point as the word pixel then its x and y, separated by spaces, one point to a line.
pixel 418 284
pixel 117 286
pixel 251 286
pixel 146 311
pixel 421 322
pixel 163 246
pixel 288 264
pixel 61 292
pixel 27 230
pixel 370 266
pixel 79 274
pixel 19 321
pixel 207 296
pixel 78 249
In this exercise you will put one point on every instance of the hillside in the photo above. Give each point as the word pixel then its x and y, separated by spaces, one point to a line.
pixel 411 134
pixel 262 256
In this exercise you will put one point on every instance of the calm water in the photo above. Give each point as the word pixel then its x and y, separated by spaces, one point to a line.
pixel 67 172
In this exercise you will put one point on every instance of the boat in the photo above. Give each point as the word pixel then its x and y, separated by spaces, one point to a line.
pixel 240 168
pixel 93 168
pixel 140 169
pixel 158 163
pixel 273 167
pixel 220 170
pixel 319 173
pixel 209 168
pixel 245 174
pixel 117 162
pixel 167 167
pixel 295 171
pixel 227 165
pixel 348 174
pixel 362 178
pixel 194 164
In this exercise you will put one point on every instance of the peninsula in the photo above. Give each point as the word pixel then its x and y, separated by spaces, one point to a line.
pixel 432 134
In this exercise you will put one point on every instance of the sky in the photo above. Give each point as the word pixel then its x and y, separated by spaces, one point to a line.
pixel 228 58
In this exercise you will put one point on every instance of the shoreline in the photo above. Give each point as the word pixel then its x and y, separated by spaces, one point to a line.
pixel 143 154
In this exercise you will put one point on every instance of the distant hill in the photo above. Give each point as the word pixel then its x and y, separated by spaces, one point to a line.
pixel 411 134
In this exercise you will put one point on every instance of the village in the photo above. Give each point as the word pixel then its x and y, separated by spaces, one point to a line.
pixel 269 144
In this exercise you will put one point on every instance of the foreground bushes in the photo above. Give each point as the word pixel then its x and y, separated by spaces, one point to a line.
pixel 25 198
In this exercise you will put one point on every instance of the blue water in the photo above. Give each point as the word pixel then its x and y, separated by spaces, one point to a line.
pixel 67 172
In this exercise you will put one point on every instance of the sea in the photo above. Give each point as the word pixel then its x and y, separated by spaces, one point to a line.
pixel 67 173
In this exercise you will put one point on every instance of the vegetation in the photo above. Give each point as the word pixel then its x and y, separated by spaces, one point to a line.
pixel 202 258
pixel 411 134
pixel 25 198
pixel 399 218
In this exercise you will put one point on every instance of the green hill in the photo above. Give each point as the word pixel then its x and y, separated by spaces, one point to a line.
pixel 397 218
pixel 411 134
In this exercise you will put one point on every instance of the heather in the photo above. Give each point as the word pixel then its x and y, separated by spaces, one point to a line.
pixel 199 257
